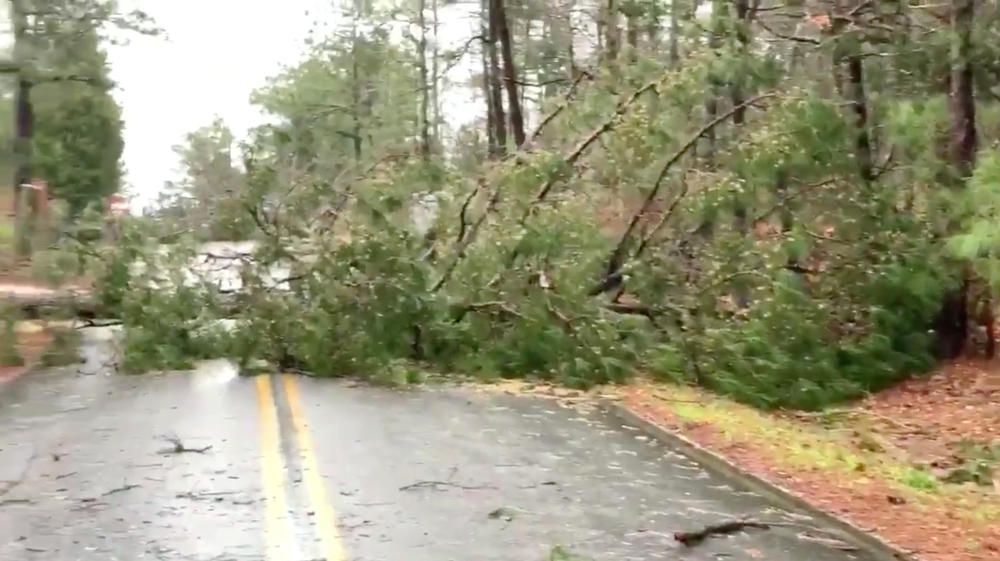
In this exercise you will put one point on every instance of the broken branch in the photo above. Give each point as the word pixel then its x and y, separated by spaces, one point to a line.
pixel 440 484
pixel 584 144
pixel 694 538
pixel 616 262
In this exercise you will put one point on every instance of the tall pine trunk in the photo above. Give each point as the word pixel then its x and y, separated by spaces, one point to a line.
pixel 952 323
pixel 493 78
pixel 425 87
pixel 24 117
pixel 499 15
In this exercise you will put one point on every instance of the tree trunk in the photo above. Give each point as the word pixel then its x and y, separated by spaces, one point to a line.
pixel 355 89
pixel 859 103
pixel 612 32
pixel 493 77
pixel 715 39
pixel 435 78
pixel 952 323
pixel 675 30
pixel 963 108
pixel 525 113
pixel 24 117
pixel 492 147
pixel 499 15
pixel 570 38
pixel 632 35
pixel 743 22
pixel 425 88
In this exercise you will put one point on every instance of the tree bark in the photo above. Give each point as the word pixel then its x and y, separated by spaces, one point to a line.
pixel 24 117
pixel 493 77
pixel 743 21
pixel 612 32
pixel 492 146
pixel 355 89
pixel 859 104
pixel 425 87
pixel 675 30
pixel 952 323
pixel 963 107
pixel 632 34
pixel 435 77
pixel 499 15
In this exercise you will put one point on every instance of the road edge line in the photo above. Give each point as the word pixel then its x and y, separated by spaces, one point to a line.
pixel 868 542
pixel 316 491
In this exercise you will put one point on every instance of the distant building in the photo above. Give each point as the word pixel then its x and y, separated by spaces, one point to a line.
pixel 117 206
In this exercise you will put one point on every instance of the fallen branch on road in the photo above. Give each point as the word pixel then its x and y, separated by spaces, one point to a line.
pixel 694 538
pixel 179 448
pixel 439 484
pixel 122 489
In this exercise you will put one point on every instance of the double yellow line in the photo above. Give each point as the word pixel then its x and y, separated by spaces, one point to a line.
pixel 279 523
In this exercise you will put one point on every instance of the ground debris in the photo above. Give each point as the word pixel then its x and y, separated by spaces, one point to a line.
pixel 501 513
pixel 439 485
pixel 6 502
pixel 178 447
pixel 216 496
pixel 724 528
pixel 122 489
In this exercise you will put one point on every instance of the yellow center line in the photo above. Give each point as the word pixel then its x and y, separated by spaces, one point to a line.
pixel 326 519
pixel 278 527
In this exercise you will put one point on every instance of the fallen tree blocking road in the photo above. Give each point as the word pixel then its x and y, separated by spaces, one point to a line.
pixel 33 301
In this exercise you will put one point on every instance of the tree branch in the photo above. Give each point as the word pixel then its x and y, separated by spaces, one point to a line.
pixel 570 94
pixel 616 261
pixel 584 144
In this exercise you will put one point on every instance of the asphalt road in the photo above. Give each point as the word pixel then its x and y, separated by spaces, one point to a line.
pixel 294 469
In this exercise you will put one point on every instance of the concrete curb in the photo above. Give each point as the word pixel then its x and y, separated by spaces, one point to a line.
pixel 875 546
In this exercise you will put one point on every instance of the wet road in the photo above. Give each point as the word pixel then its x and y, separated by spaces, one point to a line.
pixel 294 469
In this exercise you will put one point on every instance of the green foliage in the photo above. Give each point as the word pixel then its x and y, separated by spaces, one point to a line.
pixel 979 242
pixel 793 352
pixel 919 480
pixel 78 132
pixel 78 143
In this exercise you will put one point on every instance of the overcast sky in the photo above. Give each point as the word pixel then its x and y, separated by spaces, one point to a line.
pixel 215 53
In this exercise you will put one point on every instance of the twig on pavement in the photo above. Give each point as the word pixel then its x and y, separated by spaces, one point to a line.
pixel 179 448
pixel 122 489
pixel 439 484
pixel 731 527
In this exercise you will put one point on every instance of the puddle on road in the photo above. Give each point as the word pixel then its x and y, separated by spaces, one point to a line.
pixel 213 373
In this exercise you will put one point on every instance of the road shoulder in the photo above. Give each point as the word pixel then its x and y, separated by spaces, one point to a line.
pixel 874 495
